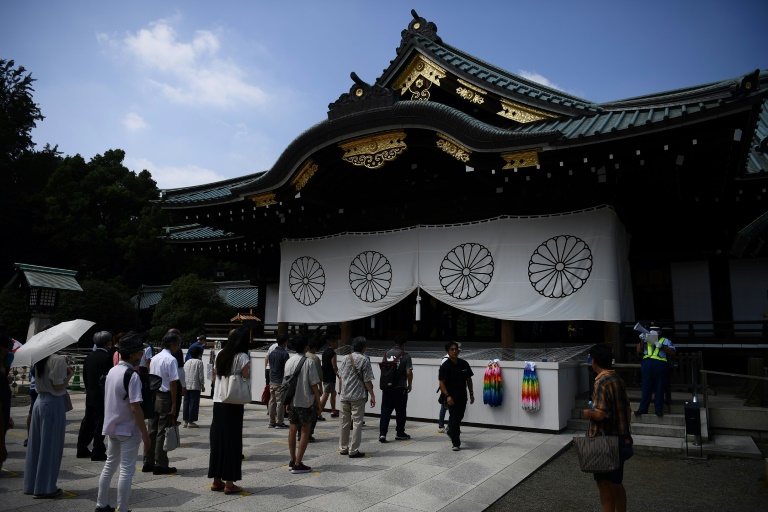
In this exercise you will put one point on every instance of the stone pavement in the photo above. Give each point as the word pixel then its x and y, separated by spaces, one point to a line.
pixel 422 474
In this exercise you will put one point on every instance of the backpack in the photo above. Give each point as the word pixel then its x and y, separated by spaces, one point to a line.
pixel 287 389
pixel 390 373
pixel 150 384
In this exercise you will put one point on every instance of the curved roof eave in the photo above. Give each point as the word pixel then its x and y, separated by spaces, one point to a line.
pixel 424 115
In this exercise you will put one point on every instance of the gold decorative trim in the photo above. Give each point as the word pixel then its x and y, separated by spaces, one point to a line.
pixel 418 77
pixel 453 148
pixel 519 159
pixel 264 199
pixel 521 113
pixel 303 176
pixel 470 92
pixel 375 150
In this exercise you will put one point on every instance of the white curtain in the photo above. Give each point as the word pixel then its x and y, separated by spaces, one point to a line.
pixel 558 267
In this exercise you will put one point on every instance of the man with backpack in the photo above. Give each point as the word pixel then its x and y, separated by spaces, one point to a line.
pixel 123 424
pixel 300 391
pixel 396 382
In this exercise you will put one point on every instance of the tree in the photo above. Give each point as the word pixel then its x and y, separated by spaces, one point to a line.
pixel 14 312
pixel 188 304
pixel 106 303
pixel 100 216
pixel 18 114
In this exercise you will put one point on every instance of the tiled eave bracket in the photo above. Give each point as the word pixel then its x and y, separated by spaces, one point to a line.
pixel 453 148
pixel 304 175
pixel 374 151
pixel 418 77
pixel 521 113
pixel 520 159
pixel 264 199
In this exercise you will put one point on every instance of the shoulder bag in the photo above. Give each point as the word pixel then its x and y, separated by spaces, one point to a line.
pixel 599 454
pixel 235 389
pixel 172 439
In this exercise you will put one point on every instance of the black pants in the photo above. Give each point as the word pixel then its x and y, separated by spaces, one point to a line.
pixel 90 429
pixel 393 400
pixel 456 414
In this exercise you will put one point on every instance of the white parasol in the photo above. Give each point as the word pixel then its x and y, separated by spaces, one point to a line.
pixel 50 341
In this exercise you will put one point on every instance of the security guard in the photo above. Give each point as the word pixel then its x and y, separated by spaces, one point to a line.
pixel 655 369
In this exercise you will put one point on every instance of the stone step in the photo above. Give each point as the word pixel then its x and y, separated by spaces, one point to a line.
pixel 645 429
pixel 676 407
pixel 667 419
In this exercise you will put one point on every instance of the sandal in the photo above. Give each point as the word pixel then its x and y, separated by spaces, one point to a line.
pixel 218 488
pixel 233 490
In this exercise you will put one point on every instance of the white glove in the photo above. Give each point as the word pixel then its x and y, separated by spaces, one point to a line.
pixel 659 344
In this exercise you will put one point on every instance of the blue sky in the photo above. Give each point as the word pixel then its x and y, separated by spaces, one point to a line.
pixel 198 91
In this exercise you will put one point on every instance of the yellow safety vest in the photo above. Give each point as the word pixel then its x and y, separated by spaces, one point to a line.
pixel 652 351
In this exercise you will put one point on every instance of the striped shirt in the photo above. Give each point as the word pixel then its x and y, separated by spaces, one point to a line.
pixel 610 395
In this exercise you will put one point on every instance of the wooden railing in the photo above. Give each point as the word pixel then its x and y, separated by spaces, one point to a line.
pixel 707 332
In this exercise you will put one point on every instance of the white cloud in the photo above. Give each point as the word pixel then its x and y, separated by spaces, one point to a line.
pixel 192 72
pixel 541 79
pixel 174 177
pixel 133 122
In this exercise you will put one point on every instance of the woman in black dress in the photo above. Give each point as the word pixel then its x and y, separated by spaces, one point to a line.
pixel 225 462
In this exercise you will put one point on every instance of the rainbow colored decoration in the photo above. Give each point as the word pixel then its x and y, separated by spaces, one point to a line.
pixel 493 389
pixel 530 390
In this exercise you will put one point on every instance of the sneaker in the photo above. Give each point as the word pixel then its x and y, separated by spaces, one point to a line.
pixel 382 439
pixel 84 454
pixel 358 455
pixel 402 437
pixel 301 468
pixel 58 493
pixel 163 471
pixel 271 425
pixel 148 468
pixel 321 418
pixel 291 465
pixel 105 508
pixel 441 430
pixel 185 425
pixel 456 448
pixel 192 424
pixel 335 414
pixel 281 425
pixel 344 452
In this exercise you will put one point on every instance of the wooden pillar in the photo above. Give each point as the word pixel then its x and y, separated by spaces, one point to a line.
pixel 507 334
pixel 612 337
pixel 282 327
pixel 346 334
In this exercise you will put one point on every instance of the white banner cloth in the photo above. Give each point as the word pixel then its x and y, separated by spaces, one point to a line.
pixel 561 267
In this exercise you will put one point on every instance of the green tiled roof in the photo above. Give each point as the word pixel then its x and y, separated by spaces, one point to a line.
pixel 238 294
pixel 197 233
pixel 210 192
pixel 498 77
pixel 47 277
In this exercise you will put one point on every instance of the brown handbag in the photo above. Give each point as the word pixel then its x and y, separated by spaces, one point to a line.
pixel 599 454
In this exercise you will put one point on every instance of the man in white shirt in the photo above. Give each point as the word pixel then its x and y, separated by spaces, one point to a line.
pixel 123 424
pixel 166 367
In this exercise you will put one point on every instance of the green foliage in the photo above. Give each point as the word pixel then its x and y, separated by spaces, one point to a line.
pixel 100 219
pixel 187 304
pixel 107 304
pixel 18 114
pixel 14 313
